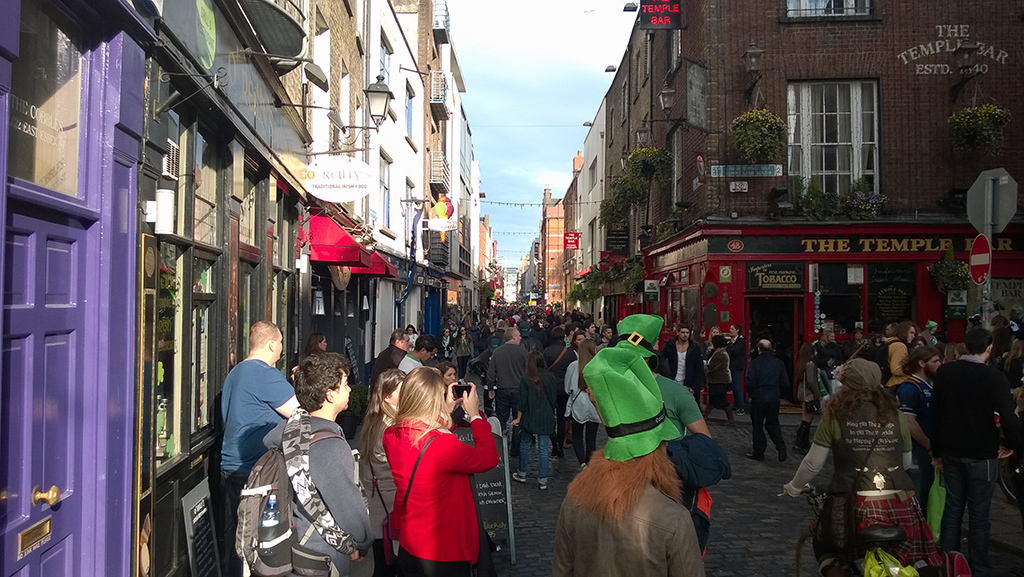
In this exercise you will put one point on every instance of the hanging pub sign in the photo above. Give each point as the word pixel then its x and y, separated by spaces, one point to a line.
pixel 339 179
pixel 617 239
pixel 571 241
pixel 660 15
pixel 775 276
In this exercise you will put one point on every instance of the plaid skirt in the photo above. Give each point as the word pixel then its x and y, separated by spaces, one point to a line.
pixel 920 544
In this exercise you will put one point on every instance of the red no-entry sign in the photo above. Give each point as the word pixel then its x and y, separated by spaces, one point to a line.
pixel 981 259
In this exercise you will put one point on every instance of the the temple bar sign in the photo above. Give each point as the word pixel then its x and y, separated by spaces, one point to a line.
pixel 660 15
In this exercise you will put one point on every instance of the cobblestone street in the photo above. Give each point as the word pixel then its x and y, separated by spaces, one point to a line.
pixel 754 531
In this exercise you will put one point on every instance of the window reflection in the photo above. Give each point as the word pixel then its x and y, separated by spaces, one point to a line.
pixel 201 366
pixel 169 323
pixel 205 183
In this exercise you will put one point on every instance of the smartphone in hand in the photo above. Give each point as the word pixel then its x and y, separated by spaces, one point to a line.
pixel 460 388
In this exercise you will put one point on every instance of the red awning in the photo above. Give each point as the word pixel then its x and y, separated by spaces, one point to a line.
pixel 583 272
pixel 329 243
pixel 379 266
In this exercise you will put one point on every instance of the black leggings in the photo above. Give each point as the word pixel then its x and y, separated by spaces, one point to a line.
pixel 412 566
pixel 463 364
pixel 582 451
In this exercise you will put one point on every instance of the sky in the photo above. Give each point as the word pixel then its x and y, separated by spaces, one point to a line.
pixel 534 73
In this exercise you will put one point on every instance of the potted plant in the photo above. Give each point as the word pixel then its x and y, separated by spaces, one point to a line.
pixel 978 128
pixel 949 273
pixel 758 135
pixel 813 202
pixel 352 416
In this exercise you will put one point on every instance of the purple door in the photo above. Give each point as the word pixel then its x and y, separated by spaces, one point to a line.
pixel 42 428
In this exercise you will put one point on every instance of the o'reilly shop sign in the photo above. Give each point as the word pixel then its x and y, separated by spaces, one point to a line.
pixel 775 277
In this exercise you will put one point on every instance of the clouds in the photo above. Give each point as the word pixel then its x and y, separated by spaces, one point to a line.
pixel 534 72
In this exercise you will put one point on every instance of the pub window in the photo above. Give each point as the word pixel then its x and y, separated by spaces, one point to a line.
pixel 832 8
pixel 892 290
pixel 45 101
pixel 833 133
pixel 203 286
pixel 170 322
pixel 205 186
pixel 385 190
pixel 840 302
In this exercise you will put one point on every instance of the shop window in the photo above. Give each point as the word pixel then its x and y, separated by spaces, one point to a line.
pixel 205 187
pixel 833 133
pixel 248 232
pixel 202 276
pixel 201 383
pixel 245 302
pixel 285 285
pixel 45 100
pixel 168 389
pixel 840 302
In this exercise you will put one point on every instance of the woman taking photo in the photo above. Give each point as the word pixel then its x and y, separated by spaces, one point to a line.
pixel 536 416
pixel 374 472
pixel 434 506
pixel 869 440
pixel 585 418
pixel 463 351
pixel 809 395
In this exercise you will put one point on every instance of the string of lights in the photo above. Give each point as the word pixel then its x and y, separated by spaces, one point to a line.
pixel 525 204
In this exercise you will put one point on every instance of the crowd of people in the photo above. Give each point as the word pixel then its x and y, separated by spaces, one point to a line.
pixel 894 410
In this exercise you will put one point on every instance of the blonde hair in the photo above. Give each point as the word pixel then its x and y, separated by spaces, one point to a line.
pixel 380 414
pixel 261 334
pixel 422 399
pixel 586 352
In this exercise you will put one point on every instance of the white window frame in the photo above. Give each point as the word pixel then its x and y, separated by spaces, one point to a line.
pixel 385 190
pixel 863 152
pixel 828 8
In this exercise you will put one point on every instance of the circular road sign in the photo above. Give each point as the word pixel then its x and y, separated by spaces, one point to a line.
pixel 981 259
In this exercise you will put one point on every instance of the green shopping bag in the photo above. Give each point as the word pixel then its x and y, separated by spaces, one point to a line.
pixel 936 504
pixel 878 563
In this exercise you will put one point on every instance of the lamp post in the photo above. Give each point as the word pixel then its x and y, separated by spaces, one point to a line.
pixel 378 98
pixel 752 63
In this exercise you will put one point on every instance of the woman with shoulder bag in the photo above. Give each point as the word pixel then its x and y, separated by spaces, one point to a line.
pixel 585 418
pixel 869 440
pixel 434 506
pixel 374 471
pixel 719 379
pixel 809 395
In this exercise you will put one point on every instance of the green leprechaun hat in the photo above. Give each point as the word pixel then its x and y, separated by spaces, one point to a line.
pixel 630 403
pixel 639 333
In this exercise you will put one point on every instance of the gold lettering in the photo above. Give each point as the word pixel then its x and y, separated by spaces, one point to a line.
pixel 930 246
pixel 883 245
pixel 945 243
pixel 866 244
pixel 808 244
pixel 968 244
pixel 1004 244
pixel 843 245
pixel 916 244
pixel 899 245
pixel 827 245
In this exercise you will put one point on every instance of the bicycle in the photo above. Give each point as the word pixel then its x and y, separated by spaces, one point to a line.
pixel 871 536
pixel 1008 468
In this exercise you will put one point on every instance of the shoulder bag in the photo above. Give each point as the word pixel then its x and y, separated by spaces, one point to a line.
pixel 390 533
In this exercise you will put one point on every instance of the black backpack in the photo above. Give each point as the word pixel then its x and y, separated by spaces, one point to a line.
pixel 882 360
pixel 269 476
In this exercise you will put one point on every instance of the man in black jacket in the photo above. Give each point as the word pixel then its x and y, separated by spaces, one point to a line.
pixel 558 358
pixel 737 350
pixel 766 377
pixel 391 356
pixel 682 360
pixel 966 444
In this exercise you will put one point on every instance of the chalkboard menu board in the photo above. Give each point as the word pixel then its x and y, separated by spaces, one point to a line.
pixel 200 533
pixel 494 501
pixel 891 289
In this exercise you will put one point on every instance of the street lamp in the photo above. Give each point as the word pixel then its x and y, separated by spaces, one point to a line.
pixel 378 97
pixel 965 62
pixel 666 97
pixel 752 63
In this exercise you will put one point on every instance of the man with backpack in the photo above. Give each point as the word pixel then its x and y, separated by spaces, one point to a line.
pixel 254 399
pixel 329 516
pixel 915 398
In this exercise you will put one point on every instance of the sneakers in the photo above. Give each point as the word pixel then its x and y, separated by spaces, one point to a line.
pixel 741 411
pixel 519 477
pixel 542 484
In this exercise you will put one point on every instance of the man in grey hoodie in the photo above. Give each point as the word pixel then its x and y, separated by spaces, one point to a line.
pixel 321 387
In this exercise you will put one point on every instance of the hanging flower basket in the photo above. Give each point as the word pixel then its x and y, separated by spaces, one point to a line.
pixel 758 135
pixel 978 128
pixel 950 274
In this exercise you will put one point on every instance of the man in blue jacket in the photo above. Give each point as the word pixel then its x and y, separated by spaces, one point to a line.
pixel 766 377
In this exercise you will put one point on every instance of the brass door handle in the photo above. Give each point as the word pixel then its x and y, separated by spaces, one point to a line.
pixel 51 497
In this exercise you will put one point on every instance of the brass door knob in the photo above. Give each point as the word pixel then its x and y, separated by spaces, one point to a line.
pixel 51 497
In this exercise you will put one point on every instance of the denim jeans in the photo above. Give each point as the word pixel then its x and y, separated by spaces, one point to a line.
pixel 506 402
pixel 970 483
pixel 923 474
pixel 543 453
pixel 231 487
pixel 737 390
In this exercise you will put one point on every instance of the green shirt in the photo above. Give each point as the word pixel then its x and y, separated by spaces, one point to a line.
pixel 680 405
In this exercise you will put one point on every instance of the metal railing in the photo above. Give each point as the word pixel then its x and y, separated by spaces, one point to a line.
pixel 441 22
pixel 439 95
pixel 440 175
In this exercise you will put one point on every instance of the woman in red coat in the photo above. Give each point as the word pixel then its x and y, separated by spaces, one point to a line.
pixel 436 514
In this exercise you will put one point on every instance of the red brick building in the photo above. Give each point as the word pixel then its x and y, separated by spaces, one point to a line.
pixel 865 92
